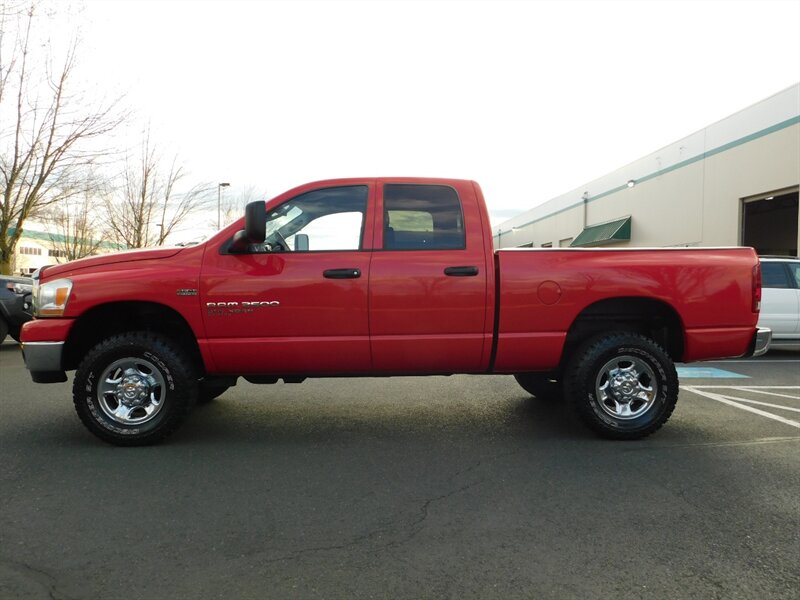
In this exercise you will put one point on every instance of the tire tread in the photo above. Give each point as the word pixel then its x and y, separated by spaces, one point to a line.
pixel 581 363
pixel 180 368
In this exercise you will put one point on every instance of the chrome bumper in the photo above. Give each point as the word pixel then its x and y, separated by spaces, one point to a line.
pixel 43 360
pixel 761 341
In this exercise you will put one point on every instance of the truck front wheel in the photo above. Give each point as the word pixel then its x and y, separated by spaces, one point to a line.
pixel 622 385
pixel 134 389
pixel 206 393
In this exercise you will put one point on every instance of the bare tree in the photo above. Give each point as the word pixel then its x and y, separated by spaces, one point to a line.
pixel 46 128
pixel 147 207
pixel 73 226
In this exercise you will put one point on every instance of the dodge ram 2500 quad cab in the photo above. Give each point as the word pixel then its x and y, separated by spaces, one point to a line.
pixel 380 277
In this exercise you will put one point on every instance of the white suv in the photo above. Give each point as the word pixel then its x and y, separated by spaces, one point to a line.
pixel 780 302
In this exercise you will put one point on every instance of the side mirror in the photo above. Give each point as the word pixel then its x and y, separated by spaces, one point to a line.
pixel 255 227
pixel 255 222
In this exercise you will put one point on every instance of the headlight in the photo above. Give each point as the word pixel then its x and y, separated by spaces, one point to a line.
pixel 20 288
pixel 50 299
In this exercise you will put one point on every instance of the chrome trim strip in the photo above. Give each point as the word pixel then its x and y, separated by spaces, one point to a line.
pixel 42 356
pixel 763 338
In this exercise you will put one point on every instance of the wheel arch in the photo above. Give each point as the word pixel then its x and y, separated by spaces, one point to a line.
pixel 653 318
pixel 113 318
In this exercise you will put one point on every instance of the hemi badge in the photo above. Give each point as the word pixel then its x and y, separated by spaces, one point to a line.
pixel 186 292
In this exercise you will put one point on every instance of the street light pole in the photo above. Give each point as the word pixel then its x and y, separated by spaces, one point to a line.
pixel 219 203
pixel 500 233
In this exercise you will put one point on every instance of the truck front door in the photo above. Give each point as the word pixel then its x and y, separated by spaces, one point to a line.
pixel 298 303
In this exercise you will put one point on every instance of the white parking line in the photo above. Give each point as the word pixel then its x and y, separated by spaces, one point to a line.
pixel 749 387
pixel 774 360
pixel 731 402
pixel 757 391
pixel 778 406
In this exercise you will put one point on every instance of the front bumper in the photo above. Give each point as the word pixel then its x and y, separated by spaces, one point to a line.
pixel 43 360
pixel 43 348
pixel 761 341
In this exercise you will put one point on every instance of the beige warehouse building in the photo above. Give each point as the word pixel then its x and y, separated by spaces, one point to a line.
pixel 733 183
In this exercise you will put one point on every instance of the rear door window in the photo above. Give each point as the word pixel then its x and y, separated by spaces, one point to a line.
pixel 422 217
pixel 794 272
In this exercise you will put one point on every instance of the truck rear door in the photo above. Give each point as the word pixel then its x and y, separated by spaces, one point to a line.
pixel 428 280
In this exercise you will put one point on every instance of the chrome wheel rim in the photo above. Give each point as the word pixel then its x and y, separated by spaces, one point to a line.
pixel 626 387
pixel 131 391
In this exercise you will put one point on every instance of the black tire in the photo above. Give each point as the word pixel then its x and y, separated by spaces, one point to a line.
pixel 622 385
pixel 3 330
pixel 134 389
pixel 207 393
pixel 540 385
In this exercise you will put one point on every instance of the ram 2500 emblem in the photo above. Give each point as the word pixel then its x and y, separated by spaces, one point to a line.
pixel 232 308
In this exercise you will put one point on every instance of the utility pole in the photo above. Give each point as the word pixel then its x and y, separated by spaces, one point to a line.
pixel 219 203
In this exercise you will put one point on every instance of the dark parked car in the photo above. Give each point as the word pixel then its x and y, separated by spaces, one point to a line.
pixel 15 304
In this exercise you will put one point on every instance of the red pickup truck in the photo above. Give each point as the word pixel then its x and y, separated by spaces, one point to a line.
pixel 379 277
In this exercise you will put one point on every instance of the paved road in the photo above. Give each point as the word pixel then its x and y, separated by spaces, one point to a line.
pixel 460 487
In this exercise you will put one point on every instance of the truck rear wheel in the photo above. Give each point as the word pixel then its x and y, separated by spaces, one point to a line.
pixel 134 389
pixel 622 385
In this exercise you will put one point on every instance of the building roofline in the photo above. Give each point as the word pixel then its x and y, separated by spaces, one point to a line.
pixel 55 238
pixel 774 113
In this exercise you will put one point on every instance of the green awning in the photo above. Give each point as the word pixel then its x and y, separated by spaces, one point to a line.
pixel 604 233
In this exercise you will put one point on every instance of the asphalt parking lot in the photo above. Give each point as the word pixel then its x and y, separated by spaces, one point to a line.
pixel 459 487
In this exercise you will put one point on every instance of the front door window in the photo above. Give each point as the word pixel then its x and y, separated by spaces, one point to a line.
pixel 331 219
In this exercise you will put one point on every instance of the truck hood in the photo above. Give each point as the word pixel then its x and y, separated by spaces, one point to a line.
pixel 110 259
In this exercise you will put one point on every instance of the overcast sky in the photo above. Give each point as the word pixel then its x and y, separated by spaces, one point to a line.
pixel 530 99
